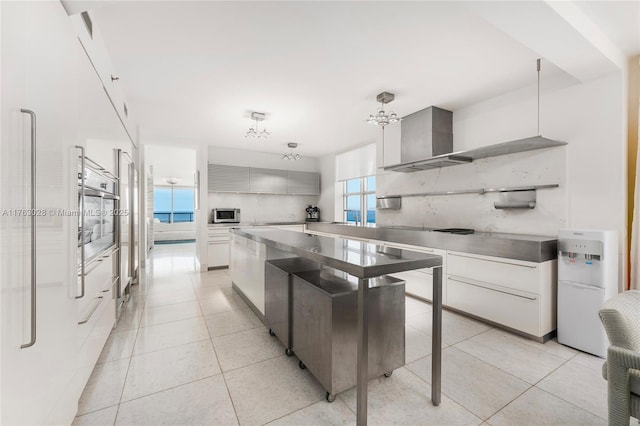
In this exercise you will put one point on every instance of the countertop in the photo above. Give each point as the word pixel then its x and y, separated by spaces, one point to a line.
pixel 532 248
pixel 235 225
pixel 360 259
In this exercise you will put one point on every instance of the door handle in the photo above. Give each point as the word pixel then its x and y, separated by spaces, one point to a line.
pixel 82 194
pixel 32 339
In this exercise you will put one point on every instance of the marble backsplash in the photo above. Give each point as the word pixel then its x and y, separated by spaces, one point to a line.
pixel 263 207
pixel 476 211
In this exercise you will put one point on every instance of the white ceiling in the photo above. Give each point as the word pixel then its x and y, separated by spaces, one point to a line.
pixel 193 71
pixel 171 162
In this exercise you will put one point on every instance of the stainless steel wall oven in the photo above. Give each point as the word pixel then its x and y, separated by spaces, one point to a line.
pixel 97 214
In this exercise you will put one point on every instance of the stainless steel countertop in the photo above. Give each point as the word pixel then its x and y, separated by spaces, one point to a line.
pixel 532 248
pixel 360 259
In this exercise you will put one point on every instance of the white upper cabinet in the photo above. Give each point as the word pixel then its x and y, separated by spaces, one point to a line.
pixel 270 181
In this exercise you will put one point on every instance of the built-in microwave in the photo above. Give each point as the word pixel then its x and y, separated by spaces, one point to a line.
pixel 226 216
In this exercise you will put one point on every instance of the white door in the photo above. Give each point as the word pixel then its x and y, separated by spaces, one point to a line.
pixel 39 57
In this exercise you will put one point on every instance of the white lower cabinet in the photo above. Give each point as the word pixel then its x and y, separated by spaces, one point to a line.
pixel 419 282
pixel 247 268
pixel 500 305
pixel 218 254
pixel 517 294
pixel 218 247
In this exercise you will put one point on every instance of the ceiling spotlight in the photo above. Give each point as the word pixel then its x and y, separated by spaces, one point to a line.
pixel 291 155
pixel 254 132
pixel 381 118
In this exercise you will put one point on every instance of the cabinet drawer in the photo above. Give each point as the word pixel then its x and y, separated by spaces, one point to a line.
pixel 218 231
pixel 218 239
pixel 508 273
pixel 516 310
pixel 95 331
pixel 98 275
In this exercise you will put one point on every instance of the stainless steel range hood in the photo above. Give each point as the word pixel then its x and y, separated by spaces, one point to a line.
pixel 461 157
pixel 426 142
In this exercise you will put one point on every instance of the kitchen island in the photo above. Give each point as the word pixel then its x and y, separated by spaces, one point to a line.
pixel 251 247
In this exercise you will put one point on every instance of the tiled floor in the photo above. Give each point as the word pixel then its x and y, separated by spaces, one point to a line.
pixel 188 351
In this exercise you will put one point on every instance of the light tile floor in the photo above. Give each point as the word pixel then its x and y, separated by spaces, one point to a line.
pixel 187 350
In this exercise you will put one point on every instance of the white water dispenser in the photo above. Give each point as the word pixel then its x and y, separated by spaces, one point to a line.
pixel 587 276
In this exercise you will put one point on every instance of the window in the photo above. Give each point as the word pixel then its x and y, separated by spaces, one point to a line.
pixel 173 205
pixel 360 200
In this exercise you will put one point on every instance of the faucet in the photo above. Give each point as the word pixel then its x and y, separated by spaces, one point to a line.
pixel 358 220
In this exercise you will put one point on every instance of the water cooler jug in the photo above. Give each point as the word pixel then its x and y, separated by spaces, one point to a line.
pixel 587 276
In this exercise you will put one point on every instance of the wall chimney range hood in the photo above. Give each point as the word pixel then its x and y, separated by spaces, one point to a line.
pixel 462 157
pixel 426 141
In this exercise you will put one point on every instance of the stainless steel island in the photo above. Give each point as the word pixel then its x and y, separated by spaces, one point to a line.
pixel 363 261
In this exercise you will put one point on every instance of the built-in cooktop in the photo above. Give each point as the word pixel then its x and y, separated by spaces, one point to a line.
pixel 459 231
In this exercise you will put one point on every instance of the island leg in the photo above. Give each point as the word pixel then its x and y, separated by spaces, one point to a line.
pixel 436 339
pixel 363 352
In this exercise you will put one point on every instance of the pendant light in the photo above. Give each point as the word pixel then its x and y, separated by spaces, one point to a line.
pixel 254 132
pixel 381 117
pixel 291 155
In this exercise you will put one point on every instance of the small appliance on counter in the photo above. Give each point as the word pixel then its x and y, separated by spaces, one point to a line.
pixel 313 214
pixel 226 215
pixel 587 276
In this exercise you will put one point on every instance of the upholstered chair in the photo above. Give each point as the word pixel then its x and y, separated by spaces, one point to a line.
pixel 620 316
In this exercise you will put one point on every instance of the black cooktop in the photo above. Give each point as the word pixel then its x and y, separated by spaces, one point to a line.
pixel 459 231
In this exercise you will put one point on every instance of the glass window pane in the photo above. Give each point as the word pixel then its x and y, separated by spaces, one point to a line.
pixel 371 183
pixel 371 208
pixel 162 204
pixel 353 185
pixel 353 208
pixel 182 200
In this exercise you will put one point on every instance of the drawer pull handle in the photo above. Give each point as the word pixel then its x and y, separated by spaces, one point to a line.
pixel 494 261
pixel 489 287
pixel 94 307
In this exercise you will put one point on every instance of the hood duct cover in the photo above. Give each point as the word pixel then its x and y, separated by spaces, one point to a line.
pixel 426 133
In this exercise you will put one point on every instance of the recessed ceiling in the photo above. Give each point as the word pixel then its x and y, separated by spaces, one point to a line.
pixel 193 71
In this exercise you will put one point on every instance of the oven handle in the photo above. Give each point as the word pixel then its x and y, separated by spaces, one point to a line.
pixel 32 339
pixel 90 192
pixel 82 195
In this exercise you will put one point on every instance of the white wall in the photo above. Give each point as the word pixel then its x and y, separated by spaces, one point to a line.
pixel 261 207
pixel 330 201
pixel 591 169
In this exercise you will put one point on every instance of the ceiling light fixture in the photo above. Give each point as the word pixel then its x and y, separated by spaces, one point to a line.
pixel 381 118
pixel 291 155
pixel 254 132
pixel 171 180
